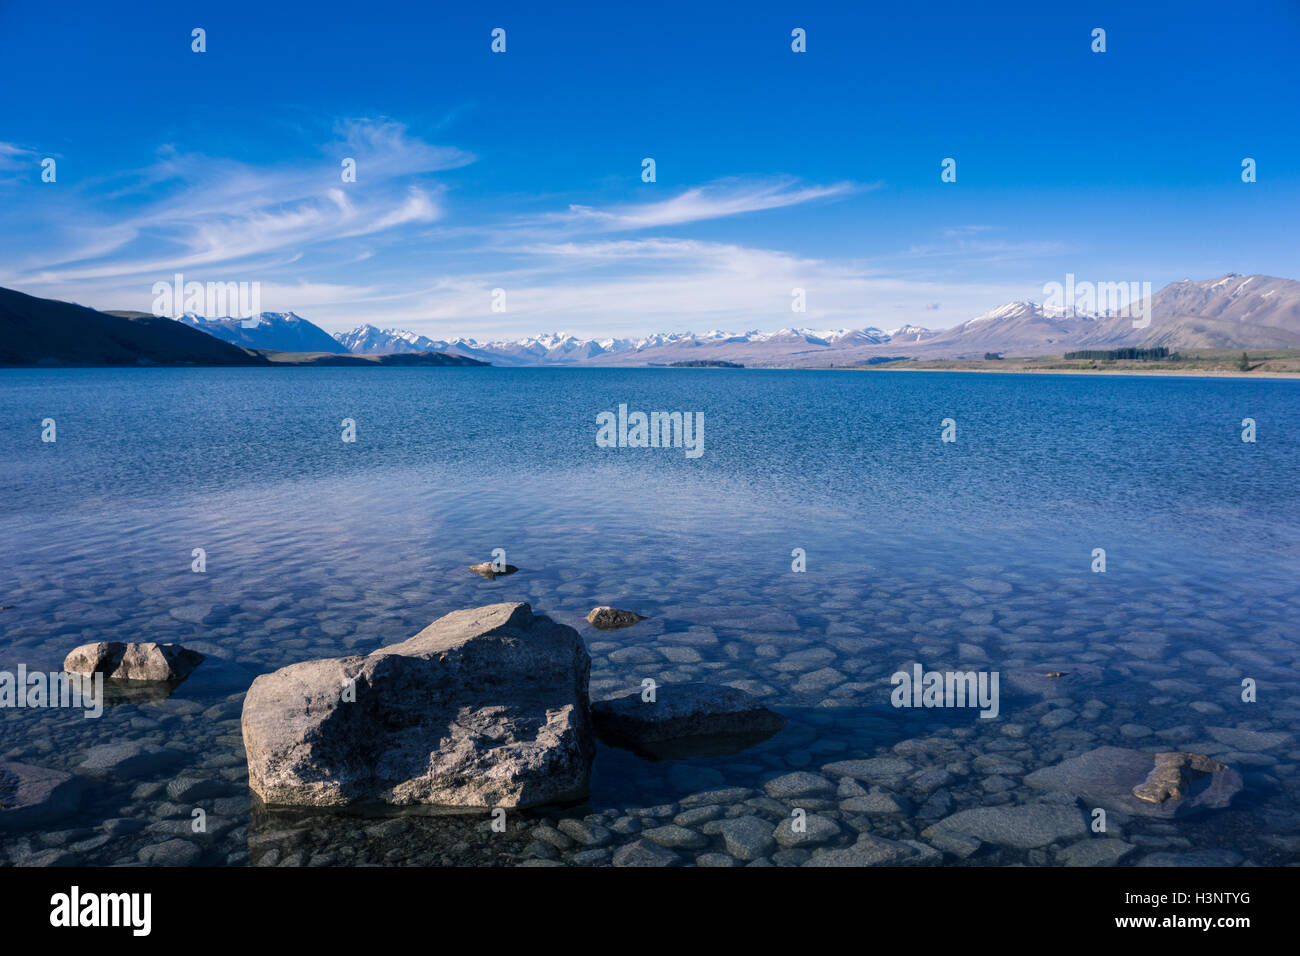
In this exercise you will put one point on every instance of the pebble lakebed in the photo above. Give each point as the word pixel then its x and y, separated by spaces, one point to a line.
pixel 822 655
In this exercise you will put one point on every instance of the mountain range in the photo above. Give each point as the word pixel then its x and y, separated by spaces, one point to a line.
pixel 1231 311
pixel 558 349
pixel 47 332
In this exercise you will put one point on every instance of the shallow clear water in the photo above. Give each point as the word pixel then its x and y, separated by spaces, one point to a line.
pixel 975 554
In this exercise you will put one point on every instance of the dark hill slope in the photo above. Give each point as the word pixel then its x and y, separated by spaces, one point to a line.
pixel 36 331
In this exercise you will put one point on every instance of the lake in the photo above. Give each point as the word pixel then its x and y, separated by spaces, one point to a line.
pixel 980 553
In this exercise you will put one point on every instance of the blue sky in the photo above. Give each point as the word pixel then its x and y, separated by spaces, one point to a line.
pixel 522 170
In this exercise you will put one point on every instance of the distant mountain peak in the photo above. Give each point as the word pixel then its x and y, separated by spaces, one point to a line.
pixel 276 331
pixel 1008 310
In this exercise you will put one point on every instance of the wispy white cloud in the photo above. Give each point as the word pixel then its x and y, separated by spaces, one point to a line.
pixel 13 156
pixel 213 212
pixel 618 268
pixel 977 251
pixel 18 162
pixel 715 201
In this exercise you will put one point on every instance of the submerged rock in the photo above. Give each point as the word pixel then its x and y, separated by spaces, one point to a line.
pixel 485 707
pixel 688 719
pixel 1111 777
pixel 644 853
pixel 1024 827
pixel 32 796
pixel 128 759
pixel 492 571
pixel 151 662
pixel 606 618
pixel 748 837
pixel 1095 852
pixel 1173 774
pixel 174 852
pixel 872 850
pixel 1250 740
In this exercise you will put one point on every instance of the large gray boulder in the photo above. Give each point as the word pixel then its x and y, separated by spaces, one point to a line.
pixel 1142 784
pixel 486 707
pixel 133 662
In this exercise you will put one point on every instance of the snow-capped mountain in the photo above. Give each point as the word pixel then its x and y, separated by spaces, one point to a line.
pixel 368 340
pixel 278 331
pixel 548 349
pixel 1016 327
pixel 908 333
pixel 1231 311
pixel 557 348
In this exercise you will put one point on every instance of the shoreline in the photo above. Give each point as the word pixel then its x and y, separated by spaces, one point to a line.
pixel 1168 373
pixel 1133 372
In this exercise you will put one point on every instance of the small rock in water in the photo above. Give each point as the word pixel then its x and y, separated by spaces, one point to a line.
pixel 191 789
pixel 1024 827
pixel 606 618
pixel 748 837
pixel 31 796
pixel 171 853
pixel 870 850
pixel 686 719
pixel 1206 857
pixel 1172 775
pixel 644 853
pixel 799 784
pixel 885 771
pixel 812 831
pixel 1047 682
pixel 588 834
pixel 876 802
pixel 491 570
pixel 157 663
pixel 1253 741
pixel 1109 777
pixel 1095 852
pixel 676 837
pixel 128 760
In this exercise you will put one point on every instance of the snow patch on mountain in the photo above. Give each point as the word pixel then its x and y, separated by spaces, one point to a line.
pixel 565 348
